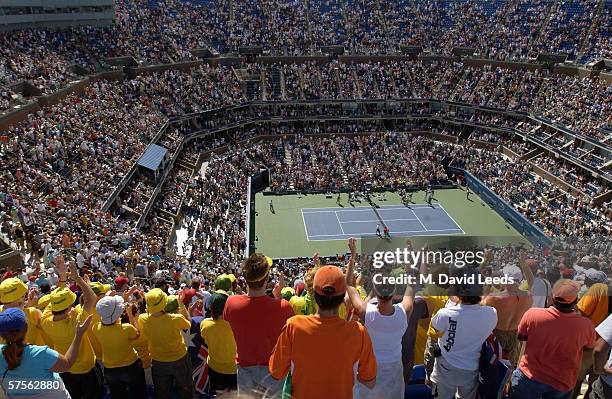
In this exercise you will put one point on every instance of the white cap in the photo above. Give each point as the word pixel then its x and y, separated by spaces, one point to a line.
pixel 110 308
pixel 513 272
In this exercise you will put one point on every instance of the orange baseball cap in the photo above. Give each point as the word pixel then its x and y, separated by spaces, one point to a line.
pixel 565 291
pixel 329 281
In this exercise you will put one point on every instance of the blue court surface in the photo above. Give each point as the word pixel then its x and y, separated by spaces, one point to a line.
pixel 324 224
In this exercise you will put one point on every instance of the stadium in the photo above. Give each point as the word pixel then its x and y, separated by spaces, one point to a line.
pixel 191 193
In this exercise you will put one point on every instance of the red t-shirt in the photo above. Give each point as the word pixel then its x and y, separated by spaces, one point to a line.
pixel 188 293
pixel 554 339
pixel 256 322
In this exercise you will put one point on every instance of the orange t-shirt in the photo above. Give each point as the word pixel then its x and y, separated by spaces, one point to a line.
pixel 594 304
pixel 554 338
pixel 322 354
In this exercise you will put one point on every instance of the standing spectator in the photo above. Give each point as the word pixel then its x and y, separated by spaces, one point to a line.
pixel 464 328
pixel 602 365
pixel 221 346
pixel 21 361
pixel 510 305
pixel 541 291
pixel 554 336
pixel 122 369
pixel 386 323
pixel 594 305
pixel 323 334
pixel 171 364
pixel 256 320
pixel 84 379
pixel 13 294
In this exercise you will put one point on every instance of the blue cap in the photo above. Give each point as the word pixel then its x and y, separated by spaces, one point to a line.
pixel 12 319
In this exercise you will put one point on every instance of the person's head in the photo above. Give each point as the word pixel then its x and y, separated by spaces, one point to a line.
pixel 13 292
pixel 156 300
pixel 256 271
pixel 309 280
pixel 512 273
pixel 565 295
pixel 329 287
pixel 62 299
pixel 217 305
pixel 594 276
pixel 110 309
pixel 195 283
pixel 287 293
pixel 100 289
pixel 13 328
pixel 172 304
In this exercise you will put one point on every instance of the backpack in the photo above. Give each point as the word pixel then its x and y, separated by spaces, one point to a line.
pixel 493 371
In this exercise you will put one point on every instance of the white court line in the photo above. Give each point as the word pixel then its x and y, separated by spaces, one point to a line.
pixel 305 228
pixel 377 221
pixel 451 218
pixel 339 222
pixel 366 209
pixel 391 232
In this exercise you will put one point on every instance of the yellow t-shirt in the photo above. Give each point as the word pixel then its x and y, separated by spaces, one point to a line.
pixel 594 303
pixel 221 345
pixel 163 333
pixel 436 302
pixel 61 333
pixel 306 305
pixel 97 347
pixel 34 336
pixel 117 342
pixel 142 348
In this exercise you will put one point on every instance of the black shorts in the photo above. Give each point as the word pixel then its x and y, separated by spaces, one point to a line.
pixel 220 381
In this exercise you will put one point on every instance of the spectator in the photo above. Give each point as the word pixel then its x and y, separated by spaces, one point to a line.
pixel 171 364
pixel 465 327
pixel 84 379
pixel 21 361
pixel 256 320
pixel 221 347
pixel 510 305
pixel 324 333
pixel 556 335
pixel 123 370
pixel 602 366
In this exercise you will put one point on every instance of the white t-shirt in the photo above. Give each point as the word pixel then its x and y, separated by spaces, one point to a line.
pixel 604 329
pixel 540 291
pixel 465 328
pixel 386 332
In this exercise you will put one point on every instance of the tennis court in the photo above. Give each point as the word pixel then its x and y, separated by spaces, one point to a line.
pixel 323 224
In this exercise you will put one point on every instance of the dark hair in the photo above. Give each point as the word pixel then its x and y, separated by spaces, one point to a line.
pixel 565 307
pixel 13 350
pixel 470 300
pixel 328 302
pixel 60 312
pixel 195 283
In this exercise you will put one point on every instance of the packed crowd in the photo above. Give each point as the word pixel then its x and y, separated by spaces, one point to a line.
pixel 163 32
pixel 137 324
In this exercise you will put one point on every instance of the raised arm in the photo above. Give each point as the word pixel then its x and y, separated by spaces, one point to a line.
pixel 350 267
pixel 527 273
pixel 89 297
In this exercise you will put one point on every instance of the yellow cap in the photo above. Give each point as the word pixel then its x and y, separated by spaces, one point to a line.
pixel 99 288
pixel 172 304
pixel 12 289
pixel 44 301
pixel 231 277
pixel 156 300
pixel 62 298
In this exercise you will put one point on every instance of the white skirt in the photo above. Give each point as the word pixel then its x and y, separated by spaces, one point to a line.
pixel 389 383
